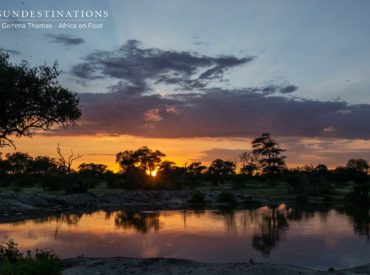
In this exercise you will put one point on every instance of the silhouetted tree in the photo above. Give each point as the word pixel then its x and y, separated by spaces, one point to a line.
pixel 43 165
pixel 31 98
pixel 270 157
pixel 92 169
pixel 359 165
pixel 144 158
pixel 321 170
pixel 220 169
pixel 171 176
pixel 357 171
pixel 250 163
pixel 194 172
pixel 18 163
pixel 126 160
pixel 2 165
pixel 66 163
pixel 148 159
pixel 165 166
pixel 196 168
pixel 165 172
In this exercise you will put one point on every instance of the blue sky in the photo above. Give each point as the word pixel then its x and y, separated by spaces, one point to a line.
pixel 322 47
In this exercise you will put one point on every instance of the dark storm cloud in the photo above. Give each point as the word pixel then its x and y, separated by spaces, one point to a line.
pixel 10 51
pixel 65 39
pixel 135 66
pixel 221 113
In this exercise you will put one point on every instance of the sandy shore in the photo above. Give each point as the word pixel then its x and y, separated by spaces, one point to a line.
pixel 132 266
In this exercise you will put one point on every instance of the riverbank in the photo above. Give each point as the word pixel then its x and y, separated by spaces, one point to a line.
pixel 156 266
pixel 14 205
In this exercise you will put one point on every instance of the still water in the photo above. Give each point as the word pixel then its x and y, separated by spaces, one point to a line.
pixel 310 238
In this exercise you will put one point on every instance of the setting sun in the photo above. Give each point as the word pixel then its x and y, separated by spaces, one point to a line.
pixel 151 173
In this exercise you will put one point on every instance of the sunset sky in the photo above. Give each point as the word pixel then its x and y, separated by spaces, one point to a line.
pixel 199 79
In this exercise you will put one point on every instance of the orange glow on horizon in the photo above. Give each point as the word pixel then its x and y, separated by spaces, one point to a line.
pixel 103 149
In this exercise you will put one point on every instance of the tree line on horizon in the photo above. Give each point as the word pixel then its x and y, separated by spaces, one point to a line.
pixel 145 168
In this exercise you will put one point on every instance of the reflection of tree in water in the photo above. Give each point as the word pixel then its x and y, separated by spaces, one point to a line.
pixel 140 221
pixel 71 219
pixel 360 218
pixel 269 233
pixel 248 218
pixel 197 211
pixel 228 215
pixel 307 212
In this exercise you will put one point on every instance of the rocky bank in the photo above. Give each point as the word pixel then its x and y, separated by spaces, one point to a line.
pixel 13 204
pixel 116 266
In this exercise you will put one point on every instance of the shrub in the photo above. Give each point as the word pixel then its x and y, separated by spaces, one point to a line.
pixel 77 186
pixel 197 197
pixel 12 261
pixel 52 182
pixel 227 197
pixel 9 252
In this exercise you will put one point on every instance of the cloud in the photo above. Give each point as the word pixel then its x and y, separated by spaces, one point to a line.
pixel 194 108
pixel 331 151
pixel 136 66
pixel 65 39
pixel 220 153
pixel 10 51
pixel 288 89
pixel 199 42
pixel 220 113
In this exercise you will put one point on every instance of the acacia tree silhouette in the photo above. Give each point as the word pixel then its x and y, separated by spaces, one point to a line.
pixel 144 158
pixel 220 169
pixel 270 158
pixel 32 98
pixel 250 163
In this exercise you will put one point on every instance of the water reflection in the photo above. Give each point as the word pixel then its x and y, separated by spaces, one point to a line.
pixel 140 221
pixel 360 218
pixel 270 230
pixel 293 235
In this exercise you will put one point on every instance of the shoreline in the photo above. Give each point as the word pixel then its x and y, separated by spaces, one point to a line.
pixel 18 205
pixel 151 266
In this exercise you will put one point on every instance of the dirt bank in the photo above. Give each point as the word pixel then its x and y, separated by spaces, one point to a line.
pixel 115 266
